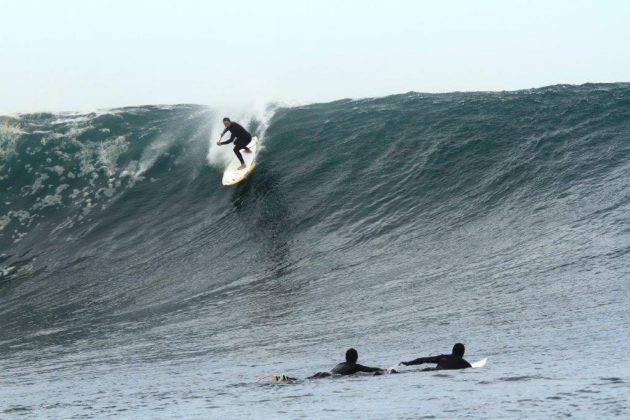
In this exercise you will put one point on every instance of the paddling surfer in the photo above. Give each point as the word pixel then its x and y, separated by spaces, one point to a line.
pixel 349 367
pixel 455 360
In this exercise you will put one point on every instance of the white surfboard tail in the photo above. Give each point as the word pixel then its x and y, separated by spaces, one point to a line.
pixel 479 363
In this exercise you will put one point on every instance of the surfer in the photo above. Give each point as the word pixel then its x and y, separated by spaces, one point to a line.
pixel 240 137
pixel 349 367
pixel 444 361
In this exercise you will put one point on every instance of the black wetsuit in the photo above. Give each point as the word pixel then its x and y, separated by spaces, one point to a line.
pixel 240 137
pixel 444 361
pixel 345 368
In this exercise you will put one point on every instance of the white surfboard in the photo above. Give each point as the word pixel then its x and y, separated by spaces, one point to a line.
pixel 232 175
pixel 480 363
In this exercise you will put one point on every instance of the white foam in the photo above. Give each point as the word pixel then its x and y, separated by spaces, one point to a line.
pixel 45 332
pixel 130 170
pixel 21 215
pixel 68 223
pixel 9 134
pixel 4 221
pixel 52 199
pixel 151 153
pixel 110 151
pixel 38 183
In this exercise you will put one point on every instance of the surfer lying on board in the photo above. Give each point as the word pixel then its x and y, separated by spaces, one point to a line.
pixel 349 367
pixel 444 361
pixel 240 137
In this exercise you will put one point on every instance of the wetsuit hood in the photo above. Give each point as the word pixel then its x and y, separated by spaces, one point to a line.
pixel 459 349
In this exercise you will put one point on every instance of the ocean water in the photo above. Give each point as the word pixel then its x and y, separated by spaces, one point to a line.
pixel 133 285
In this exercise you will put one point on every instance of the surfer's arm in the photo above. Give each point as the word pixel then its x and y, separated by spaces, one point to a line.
pixel 221 136
pixel 421 360
pixel 228 141
pixel 231 139
pixel 362 368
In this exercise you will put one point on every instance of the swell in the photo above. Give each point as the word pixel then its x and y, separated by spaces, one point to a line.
pixel 116 216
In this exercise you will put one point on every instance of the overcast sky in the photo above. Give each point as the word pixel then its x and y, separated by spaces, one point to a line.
pixel 62 55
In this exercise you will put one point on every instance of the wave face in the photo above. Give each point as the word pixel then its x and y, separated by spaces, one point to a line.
pixel 422 218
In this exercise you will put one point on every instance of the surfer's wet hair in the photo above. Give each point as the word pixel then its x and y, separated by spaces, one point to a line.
pixel 351 356
pixel 459 349
pixel 227 119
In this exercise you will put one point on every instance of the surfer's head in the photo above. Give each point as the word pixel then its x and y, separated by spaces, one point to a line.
pixel 458 349
pixel 351 356
pixel 226 122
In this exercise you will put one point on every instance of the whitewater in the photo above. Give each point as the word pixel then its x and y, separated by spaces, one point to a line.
pixel 134 285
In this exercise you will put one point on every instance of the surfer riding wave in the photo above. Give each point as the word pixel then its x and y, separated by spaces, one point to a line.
pixel 240 137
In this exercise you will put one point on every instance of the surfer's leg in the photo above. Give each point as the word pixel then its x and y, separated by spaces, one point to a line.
pixel 238 154
pixel 244 145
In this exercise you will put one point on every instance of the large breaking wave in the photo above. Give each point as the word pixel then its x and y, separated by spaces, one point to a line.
pixel 118 215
